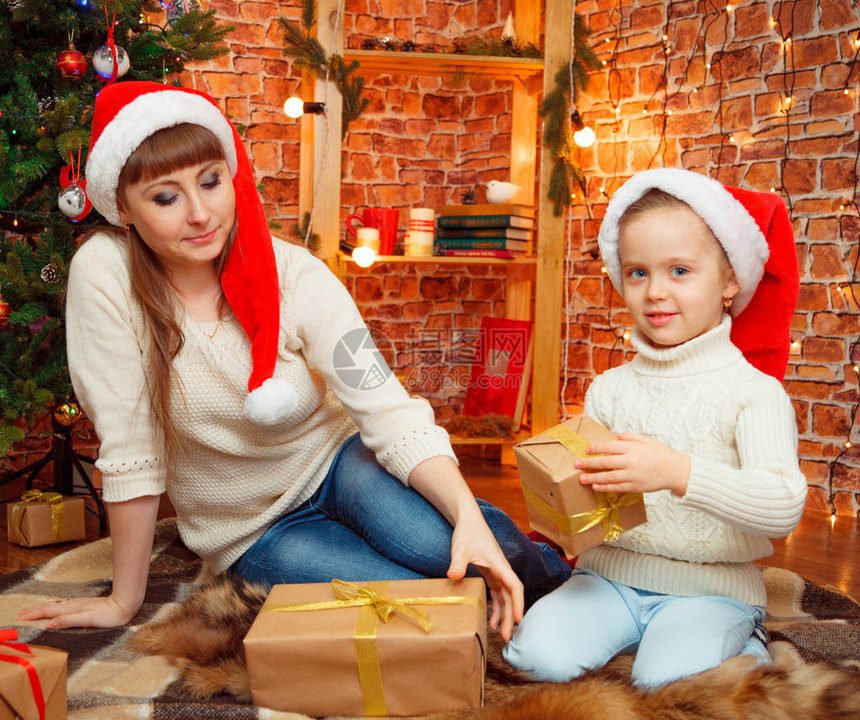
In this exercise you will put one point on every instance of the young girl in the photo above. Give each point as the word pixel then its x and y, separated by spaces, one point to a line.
pixel 315 473
pixel 709 439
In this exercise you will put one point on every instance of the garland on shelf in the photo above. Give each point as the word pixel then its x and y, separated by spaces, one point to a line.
pixel 309 54
pixel 505 46
pixel 555 111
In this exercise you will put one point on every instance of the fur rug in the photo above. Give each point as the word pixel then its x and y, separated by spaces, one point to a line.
pixel 113 676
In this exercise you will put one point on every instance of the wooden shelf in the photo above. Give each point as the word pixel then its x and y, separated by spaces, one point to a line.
pixel 415 63
pixel 443 260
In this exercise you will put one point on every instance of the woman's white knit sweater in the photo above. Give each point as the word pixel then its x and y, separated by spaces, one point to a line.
pixel 231 478
pixel 702 398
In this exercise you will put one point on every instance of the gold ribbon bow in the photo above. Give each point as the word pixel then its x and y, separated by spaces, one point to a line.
pixel 609 504
pixel 58 514
pixel 375 605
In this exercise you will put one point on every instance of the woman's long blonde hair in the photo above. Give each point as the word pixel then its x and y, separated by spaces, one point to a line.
pixel 165 151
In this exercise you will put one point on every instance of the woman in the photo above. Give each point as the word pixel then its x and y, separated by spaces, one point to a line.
pixel 167 322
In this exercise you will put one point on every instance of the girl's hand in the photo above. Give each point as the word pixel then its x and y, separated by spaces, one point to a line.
pixel 635 463
pixel 100 612
pixel 473 543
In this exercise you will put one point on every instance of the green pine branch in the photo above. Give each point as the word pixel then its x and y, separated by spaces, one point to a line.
pixel 557 135
pixel 309 54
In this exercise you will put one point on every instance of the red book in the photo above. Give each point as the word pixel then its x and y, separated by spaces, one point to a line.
pixel 501 370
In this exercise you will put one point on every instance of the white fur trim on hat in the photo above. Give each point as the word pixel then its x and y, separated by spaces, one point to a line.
pixel 135 122
pixel 272 402
pixel 735 229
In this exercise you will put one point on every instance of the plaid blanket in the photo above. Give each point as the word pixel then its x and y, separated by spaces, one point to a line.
pixel 107 680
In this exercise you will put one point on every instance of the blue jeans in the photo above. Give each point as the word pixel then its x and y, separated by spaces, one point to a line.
pixel 363 524
pixel 589 620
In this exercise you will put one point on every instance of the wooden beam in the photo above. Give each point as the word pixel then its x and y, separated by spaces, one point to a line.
pixel 320 156
pixel 523 142
pixel 550 256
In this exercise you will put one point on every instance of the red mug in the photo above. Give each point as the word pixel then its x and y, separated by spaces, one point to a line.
pixel 383 219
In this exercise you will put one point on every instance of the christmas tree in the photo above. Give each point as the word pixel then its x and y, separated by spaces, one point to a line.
pixel 55 56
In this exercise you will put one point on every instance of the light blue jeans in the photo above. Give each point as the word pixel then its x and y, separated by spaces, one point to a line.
pixel 589 620
pixel 363 524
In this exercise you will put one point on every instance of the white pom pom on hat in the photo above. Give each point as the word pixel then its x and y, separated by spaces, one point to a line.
pixel 272 402
pixel 125 114
pixel 756 234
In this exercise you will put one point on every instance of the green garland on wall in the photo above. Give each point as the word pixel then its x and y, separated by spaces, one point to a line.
pixel 309 54
pixel 555 111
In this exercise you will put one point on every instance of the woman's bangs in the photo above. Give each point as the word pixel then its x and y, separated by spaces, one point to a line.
pixel 169 150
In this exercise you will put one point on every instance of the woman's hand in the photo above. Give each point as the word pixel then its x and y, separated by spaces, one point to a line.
pixel 439 480
pixel 132 527
pixel 473 543
pixel 635 463
pixel 103 612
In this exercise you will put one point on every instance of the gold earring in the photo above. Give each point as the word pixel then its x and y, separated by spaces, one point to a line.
pixel 727 303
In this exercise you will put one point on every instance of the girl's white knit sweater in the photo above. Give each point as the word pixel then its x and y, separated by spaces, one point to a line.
pixel 702 398
pixel 231 478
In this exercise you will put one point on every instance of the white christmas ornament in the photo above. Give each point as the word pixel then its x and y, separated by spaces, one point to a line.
pixel 178 8
pixel 501 192
pixel 103 61
pixel 72 200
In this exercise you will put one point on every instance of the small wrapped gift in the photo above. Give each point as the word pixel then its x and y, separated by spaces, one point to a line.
pixel 560 507
pixel 404 647
pixel 32 680
pixel 45 518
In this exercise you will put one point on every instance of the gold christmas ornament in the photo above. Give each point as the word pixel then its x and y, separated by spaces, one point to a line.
pixel 68 413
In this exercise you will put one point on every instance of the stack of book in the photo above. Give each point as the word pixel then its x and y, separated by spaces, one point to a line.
pixel 501 231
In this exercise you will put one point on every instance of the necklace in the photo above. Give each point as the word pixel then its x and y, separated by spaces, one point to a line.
pixel 217 326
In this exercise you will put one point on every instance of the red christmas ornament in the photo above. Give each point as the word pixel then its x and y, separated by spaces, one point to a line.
pixel 4 313
pixel 71 64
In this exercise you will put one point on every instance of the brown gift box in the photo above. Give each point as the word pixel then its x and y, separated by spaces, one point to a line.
pixel 44 519
pixel 320 651
pixel 16 692
pixel 558 504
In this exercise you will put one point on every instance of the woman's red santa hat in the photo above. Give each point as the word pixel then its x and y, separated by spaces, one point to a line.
pixel 127 113
pixel 755 232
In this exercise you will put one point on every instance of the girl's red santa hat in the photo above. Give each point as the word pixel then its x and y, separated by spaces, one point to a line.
pixel 755 232
pixel 126 113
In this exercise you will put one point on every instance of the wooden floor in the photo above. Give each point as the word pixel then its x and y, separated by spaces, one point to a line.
pixel 819 550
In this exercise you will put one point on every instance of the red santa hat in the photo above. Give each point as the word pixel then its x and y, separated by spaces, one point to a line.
pixel 755 232
pixel 126 113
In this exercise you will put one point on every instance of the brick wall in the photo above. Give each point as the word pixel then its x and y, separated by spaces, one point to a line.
pixel 424 139
pixel 732 127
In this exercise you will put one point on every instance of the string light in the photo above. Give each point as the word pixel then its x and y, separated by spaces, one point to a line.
pixel 583 135
pixel 364 256
pixel 295 107
pixel 789 107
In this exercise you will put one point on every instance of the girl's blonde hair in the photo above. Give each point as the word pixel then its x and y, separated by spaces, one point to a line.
pixel 163 152
pixel 656 199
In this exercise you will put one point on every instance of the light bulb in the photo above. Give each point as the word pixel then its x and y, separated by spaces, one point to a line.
pixel 584 138
pixel 363 256
pixel 294 107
